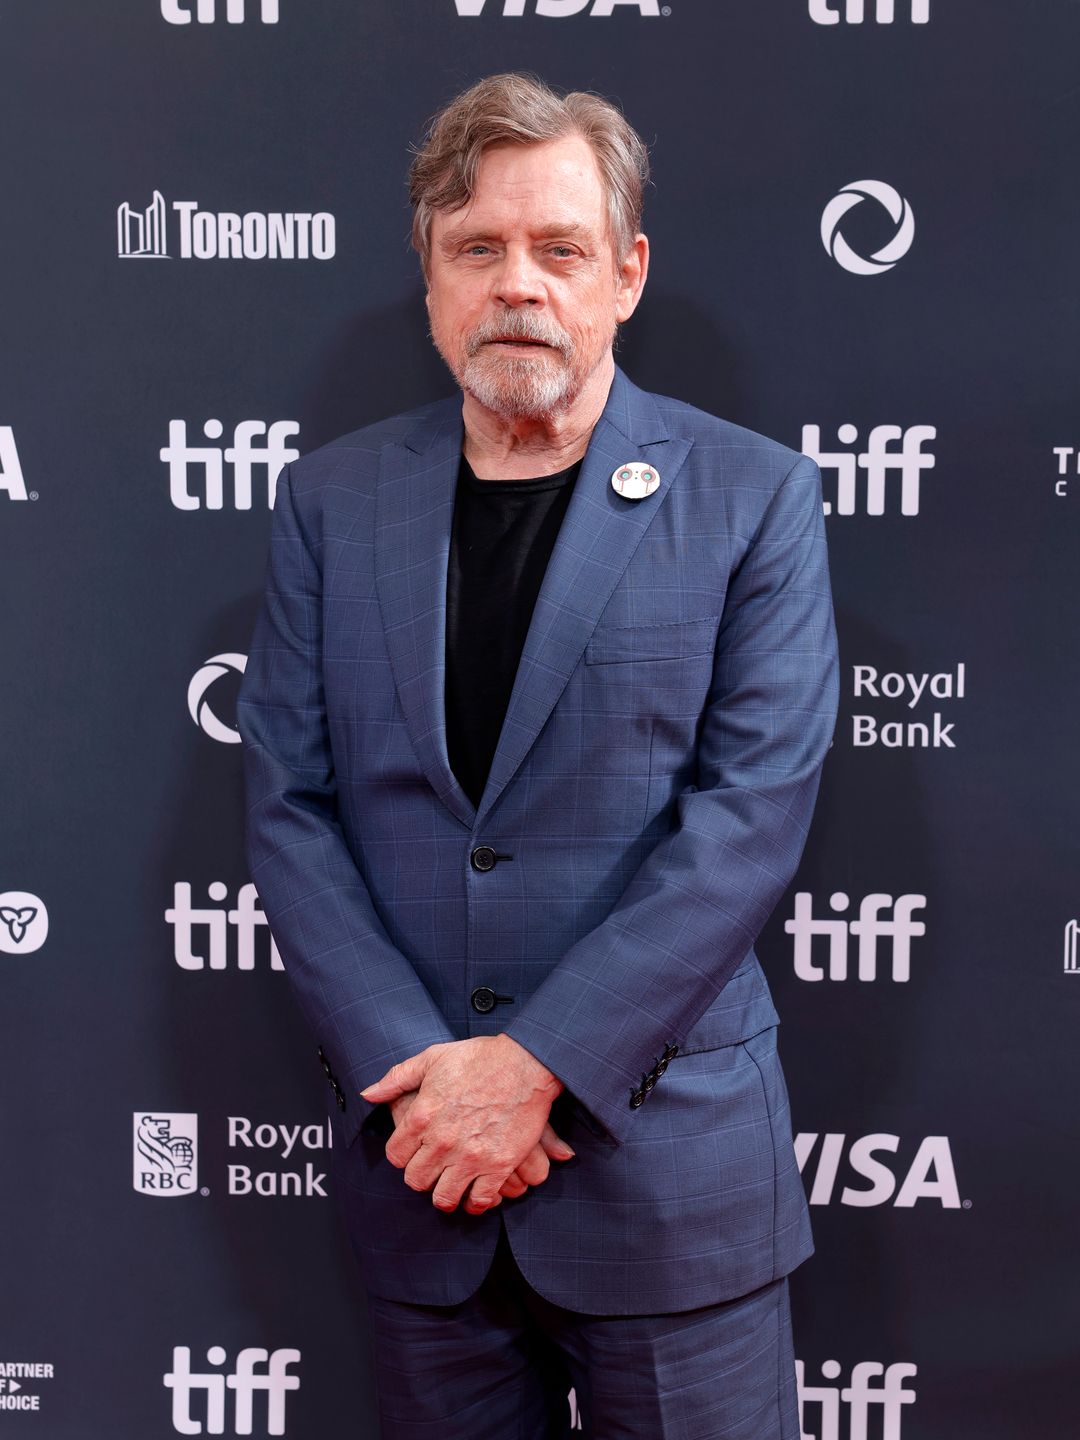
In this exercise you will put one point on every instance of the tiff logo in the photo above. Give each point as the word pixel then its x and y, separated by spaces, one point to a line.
pixel 869 928
pixel 857 1398
pixel 557 9
pixel 11 475
pixel 877 460
pixel 244 1381
pixel 215 920
pixel 242 455
pixel 177 13
pixel 828 12
pixel 930 1176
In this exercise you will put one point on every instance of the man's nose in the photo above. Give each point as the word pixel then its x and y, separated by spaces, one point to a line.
pixel 519 280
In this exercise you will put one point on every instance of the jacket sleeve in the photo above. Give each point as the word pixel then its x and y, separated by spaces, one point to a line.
pixel 638 982
pixel 359 994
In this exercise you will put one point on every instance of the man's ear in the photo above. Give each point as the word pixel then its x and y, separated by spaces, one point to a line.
pixel 630 282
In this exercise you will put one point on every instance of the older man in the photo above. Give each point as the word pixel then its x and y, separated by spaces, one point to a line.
pixel 534 719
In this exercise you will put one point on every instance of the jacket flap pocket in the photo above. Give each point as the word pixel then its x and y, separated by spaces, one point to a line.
pixel 669 641
pixel 742 1009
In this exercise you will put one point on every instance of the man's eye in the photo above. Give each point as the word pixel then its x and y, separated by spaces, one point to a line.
pixel 478 250
pixel 562 252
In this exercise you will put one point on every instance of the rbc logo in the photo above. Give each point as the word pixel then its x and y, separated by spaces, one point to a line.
pixel 877 460
pixel 243 455
pixel 557 9
pixel 243 1382
pixel 166 1154
pixel 827 12
pixel 869 928
pixel 178 13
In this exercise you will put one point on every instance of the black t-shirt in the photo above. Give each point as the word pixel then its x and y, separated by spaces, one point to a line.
pixel 501 539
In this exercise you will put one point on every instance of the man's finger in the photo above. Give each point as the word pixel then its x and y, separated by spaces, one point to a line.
pixel 553 1146
pixel 427 1165
pixel 513 1187
pixel 484 1194
pixel 397 1080
pixel 450 1187
pixel 403 1145
pixel 536 1167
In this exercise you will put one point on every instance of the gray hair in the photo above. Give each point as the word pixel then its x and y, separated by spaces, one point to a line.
pixel 521 109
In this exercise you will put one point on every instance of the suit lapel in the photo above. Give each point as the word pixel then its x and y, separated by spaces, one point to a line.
pixel 414 511
pixel 599 534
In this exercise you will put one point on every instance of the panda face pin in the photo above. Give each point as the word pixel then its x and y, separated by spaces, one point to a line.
pixel 635 480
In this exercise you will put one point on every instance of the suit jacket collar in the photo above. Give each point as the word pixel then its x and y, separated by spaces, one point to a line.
pixel 599 534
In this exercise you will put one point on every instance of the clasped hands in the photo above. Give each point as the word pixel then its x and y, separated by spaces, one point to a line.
pixel 471 1119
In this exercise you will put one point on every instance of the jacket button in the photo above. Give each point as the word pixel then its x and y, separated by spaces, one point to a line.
pixel 636 1099
pixel 340 1099
pixel 483 858
pixel 483 999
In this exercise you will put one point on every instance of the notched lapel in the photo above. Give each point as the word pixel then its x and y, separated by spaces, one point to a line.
pixel 414 512
pixel 599 534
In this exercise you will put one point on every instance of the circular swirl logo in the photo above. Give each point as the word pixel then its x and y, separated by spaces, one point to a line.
pixel 899 212
pixel 199 706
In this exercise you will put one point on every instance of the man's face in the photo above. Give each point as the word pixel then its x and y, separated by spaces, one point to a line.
pixel 523 290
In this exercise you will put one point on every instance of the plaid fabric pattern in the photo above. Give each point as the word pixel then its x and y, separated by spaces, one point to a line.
pixel 652 789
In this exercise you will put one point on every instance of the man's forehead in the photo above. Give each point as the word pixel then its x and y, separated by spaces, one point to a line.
pixel 553 184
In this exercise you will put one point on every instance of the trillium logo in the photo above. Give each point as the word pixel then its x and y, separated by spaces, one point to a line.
pixel 199 706
pixel 24 922
pixel 899 212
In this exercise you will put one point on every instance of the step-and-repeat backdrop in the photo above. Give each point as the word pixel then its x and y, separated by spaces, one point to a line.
pixel 864 225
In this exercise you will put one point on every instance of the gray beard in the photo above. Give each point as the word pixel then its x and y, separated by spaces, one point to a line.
pixel 519 389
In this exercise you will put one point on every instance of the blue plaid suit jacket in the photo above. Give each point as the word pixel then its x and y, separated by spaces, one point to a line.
pixel 651 794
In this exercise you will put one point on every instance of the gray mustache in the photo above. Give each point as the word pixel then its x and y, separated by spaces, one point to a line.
pixel 519 326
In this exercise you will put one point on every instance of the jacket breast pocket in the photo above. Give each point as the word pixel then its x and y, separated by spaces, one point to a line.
pixel 670 640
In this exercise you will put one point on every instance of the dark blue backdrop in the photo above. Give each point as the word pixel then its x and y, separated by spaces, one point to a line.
pixel 923 961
